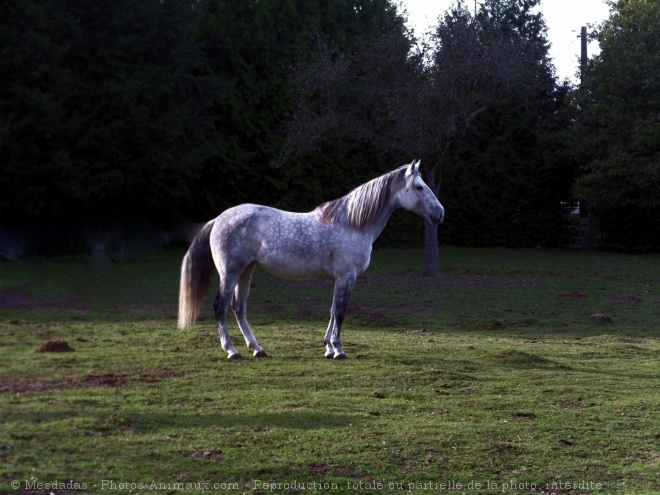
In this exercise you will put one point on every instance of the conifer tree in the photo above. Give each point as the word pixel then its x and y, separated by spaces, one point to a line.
pixel 103 110
pixel 616 136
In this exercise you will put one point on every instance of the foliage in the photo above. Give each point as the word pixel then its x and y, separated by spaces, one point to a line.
pixel 160 110
pixel 474 105
pixel 514 142
pixel 616 136
pixel 103 110
pixel 255 44
pixel 170 111
pixel 494 372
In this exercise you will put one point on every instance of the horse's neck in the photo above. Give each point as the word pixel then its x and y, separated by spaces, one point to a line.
pixel 375 229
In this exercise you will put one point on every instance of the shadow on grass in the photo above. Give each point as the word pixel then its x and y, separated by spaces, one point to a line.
pixel 139 422
pixel 521 359
pixel 300 420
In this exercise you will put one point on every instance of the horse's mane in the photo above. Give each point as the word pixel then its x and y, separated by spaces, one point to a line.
pixel 362 206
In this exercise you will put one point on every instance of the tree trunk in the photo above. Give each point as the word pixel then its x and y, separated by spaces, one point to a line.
pixel 431 256
pixel 430 250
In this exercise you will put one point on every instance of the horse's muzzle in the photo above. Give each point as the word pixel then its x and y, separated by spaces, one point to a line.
pixel 437 216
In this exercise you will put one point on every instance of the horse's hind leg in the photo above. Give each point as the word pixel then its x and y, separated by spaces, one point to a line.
pixel 239 306
pixel 220 305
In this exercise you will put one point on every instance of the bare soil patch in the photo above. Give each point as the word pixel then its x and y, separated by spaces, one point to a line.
pixel 380 320
pixel 18 298
pixel 450 279
pixel 317 468
pixel 272 308
pixel 114 380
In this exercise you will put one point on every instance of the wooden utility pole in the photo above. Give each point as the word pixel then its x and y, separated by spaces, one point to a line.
pixel 583 53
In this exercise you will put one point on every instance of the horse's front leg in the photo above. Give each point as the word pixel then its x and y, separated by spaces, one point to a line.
pixel 343 288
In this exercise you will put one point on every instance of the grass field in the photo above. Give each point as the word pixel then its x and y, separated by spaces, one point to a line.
pixel 493 378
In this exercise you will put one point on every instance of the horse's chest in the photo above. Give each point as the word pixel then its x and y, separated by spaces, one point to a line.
pixel 352 255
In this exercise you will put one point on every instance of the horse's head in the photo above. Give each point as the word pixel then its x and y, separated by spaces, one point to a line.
pixel 417 197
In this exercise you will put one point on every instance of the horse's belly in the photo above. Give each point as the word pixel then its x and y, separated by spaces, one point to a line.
pixel 294 267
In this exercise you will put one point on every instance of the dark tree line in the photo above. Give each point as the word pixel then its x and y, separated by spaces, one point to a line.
pixel 104 109
pixel 615 136
pixel 172 111
pixel 474 104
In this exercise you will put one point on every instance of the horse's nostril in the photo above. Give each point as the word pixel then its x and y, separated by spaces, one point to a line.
pixel 439 216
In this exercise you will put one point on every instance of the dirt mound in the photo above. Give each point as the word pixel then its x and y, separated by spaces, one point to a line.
pixel 601 318
pixel 55 346
pixel 518 358
pixel 574 294
pixel 627 300
pixel 212 455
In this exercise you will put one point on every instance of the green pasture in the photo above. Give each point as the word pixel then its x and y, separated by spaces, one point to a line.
pixel 495 377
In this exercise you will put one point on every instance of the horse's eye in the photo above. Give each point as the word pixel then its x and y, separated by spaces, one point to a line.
pixel 419 188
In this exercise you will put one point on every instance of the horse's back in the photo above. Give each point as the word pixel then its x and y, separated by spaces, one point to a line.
pixel 286 244
pixel 250 221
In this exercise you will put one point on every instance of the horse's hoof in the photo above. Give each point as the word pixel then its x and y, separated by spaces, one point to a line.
pixel 330 355
pixel 235 357
pixel 260 354
pixel 340 356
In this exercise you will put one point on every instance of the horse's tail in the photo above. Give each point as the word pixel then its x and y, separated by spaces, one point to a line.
pixel 196 275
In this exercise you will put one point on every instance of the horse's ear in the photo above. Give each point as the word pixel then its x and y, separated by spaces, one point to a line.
pixel 413 168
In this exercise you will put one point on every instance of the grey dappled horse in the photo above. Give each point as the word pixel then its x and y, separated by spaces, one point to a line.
pixel 333 241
